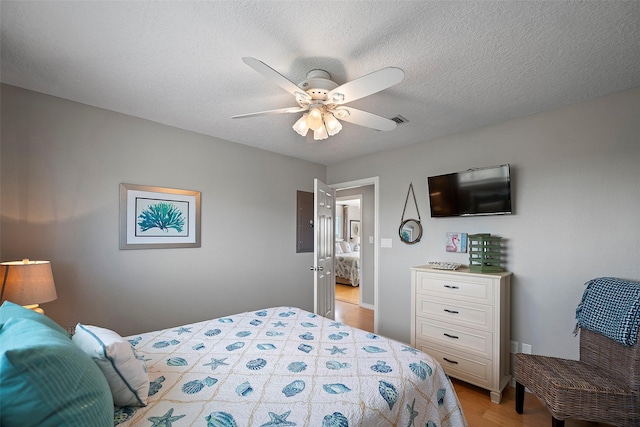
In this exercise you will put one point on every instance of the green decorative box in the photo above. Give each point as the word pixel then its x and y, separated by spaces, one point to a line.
pixel 485 253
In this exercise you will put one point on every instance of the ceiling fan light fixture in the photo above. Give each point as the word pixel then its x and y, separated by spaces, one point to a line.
pixel 337 97
pixel 301 126
pixel 322 99
pixel 301 95
pixel 333 125
pixel 314 118
pixel 340 113
pixel 320 133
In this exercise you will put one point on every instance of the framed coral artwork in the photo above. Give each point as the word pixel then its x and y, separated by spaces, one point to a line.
pixel 158 218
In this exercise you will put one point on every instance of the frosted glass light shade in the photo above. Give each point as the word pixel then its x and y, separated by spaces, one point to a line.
pixel 27 282
pixel 314 119
pixel 320 133
pixel 333 125
pixel 301 125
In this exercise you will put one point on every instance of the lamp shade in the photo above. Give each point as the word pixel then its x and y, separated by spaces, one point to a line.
pixel 27 282
pixel 320 133
pixel 314 119
pixel 333 125
pixel 301 125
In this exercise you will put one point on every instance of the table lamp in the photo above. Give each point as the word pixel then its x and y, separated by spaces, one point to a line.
pixel 27 283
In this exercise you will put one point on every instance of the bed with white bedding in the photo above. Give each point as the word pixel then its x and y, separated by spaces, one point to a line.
pixel 285 366
pixel 347 267
pixel 347 263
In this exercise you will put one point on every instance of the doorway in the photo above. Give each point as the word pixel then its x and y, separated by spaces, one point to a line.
pixel 348 263
pixel 358 228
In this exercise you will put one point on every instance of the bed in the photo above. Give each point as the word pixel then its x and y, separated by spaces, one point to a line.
pixel 279 366
pixel 285 366
pixel 347 264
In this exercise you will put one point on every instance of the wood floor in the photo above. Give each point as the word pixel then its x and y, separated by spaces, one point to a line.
pixel 475 401
pixel 348 310
pixel 480 412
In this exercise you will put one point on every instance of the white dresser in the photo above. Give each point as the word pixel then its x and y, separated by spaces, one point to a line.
pixel 462 319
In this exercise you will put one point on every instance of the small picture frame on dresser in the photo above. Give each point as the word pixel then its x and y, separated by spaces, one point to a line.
pixel 456 242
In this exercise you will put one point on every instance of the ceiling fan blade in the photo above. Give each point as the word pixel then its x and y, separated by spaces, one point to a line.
pixel 362 118
pixel 277 78
pixel 268 112
pixel 366 85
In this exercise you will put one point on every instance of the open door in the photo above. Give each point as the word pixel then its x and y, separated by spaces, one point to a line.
pixel 323 250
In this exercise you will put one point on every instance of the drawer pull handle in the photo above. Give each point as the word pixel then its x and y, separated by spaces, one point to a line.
pixel 451 287
pixel 451 336
pixel 450 361
pixel 451 311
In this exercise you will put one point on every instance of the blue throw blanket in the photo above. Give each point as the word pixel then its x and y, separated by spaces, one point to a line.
pixel 611 307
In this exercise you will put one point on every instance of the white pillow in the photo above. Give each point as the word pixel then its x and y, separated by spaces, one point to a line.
pixel 126 374
pixel 346 247
pixel 338 248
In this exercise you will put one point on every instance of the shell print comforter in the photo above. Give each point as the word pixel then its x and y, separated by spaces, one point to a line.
pixel 348 266
pixel 285 366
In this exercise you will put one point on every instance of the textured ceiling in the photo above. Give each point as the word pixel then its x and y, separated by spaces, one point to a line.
pixel 467 64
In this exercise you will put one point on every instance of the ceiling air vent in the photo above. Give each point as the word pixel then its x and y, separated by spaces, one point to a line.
pixel 399 119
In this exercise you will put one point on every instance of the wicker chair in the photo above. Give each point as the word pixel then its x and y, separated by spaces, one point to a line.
pixel 603 386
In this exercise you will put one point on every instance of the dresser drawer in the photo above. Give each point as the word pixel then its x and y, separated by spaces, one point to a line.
pixel 467 340
pixel 471 288
pixel 457 312
pixel 472 369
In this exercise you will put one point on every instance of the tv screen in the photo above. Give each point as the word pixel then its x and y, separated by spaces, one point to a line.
pixel 485 191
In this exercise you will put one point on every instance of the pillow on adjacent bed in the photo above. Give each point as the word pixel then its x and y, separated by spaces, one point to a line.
pixel 47 380
pixel 126 374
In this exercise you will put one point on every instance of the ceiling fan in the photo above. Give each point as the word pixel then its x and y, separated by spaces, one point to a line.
pixel 322 100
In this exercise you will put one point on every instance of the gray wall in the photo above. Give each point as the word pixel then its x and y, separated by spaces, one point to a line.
pixel 576 183
pixel 62 163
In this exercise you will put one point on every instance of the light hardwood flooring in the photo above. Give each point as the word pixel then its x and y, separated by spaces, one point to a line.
pixel 347 293
pixel 481 412
pixel 475 401
pixel 348 310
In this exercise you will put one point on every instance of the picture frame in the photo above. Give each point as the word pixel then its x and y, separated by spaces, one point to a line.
pixel 158 217
pixel 354 228
pixel 456 242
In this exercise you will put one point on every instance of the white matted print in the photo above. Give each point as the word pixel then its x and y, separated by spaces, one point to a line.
pixel 456 242
pixel 157 217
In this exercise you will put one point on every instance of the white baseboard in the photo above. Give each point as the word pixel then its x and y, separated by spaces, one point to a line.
pixel 367 306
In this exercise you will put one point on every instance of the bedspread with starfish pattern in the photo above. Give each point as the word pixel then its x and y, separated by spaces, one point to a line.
pixel 285 366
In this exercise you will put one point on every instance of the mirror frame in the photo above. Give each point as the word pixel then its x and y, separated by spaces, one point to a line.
pixel 416 239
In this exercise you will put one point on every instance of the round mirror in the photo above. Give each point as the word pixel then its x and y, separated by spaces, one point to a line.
pixel 410 231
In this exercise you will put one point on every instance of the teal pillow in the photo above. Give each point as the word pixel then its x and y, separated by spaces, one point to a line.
pixel 9 310
pixel 47 381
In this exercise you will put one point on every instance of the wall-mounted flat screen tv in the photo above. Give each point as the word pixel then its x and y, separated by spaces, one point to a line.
pixel 485 191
